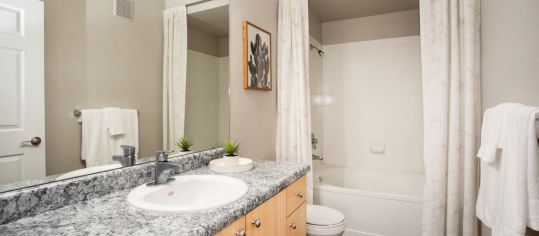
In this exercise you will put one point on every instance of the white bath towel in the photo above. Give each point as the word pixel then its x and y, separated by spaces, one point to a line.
pixel 493 123
pixel 98 146
pixel 506 183
pixel 114 120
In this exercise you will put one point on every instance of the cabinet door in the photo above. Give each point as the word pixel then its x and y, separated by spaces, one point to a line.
pixel 269 219
pixel 296 223
pixel 235 229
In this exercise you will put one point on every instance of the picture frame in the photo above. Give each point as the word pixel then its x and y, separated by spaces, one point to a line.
pixel 257 59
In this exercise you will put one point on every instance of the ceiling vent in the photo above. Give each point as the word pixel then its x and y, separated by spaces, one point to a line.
pixel 123 9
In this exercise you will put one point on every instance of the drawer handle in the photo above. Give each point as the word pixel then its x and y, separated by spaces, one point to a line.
pixel 300 195
pixel 256 222
pixel 293 226
pixel 240 233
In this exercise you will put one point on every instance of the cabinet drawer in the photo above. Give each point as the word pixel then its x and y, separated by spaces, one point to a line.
pixel 296 194
pixel 296 223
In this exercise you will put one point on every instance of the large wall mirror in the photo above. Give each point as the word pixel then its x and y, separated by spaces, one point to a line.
pixel 81 78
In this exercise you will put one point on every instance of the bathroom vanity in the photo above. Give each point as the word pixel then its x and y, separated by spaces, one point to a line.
pixel 97 204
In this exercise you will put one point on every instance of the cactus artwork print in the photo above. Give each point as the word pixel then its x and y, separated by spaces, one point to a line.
pixel 257 57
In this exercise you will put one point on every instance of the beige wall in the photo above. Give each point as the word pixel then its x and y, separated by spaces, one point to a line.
pixel 510 51
pixel 510 54
pixel 65 77
pixel 315 26
pixel 202 42
pixel 122 65
pixel 252 113
pixel 223 47
pixel 392 25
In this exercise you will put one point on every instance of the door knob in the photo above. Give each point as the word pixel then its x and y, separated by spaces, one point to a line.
pixel 240 233
pixel 34 141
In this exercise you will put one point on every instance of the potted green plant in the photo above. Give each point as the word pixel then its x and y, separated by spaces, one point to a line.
pixel 231 149
pixel 184 144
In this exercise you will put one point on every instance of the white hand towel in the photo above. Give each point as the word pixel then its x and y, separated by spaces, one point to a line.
pixel 95 139
pixel 130 135
pixel 491 130
pixel 113 119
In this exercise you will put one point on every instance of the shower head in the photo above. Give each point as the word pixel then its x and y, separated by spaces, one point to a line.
pixel 320 52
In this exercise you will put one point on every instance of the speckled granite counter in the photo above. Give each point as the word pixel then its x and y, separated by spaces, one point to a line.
pixel 112 215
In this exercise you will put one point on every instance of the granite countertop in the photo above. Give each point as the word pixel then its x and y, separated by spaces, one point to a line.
pixel 112 215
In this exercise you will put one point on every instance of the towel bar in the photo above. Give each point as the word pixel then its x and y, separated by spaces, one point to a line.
pixel 78 113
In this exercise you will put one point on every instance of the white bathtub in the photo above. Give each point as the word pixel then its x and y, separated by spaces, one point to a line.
pixel 374 201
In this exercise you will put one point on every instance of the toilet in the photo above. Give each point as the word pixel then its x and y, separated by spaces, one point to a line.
pixel 324 221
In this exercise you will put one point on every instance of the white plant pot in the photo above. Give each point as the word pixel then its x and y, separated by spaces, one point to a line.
pixel 230 160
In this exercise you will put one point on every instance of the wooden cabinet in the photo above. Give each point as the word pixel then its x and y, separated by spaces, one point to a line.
pixel 283 214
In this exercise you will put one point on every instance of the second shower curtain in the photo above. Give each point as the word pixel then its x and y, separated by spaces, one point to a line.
pixel 293 106
pixel 174 75
pixel 450 59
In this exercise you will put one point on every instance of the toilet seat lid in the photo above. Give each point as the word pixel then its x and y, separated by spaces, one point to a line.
pixel 321 215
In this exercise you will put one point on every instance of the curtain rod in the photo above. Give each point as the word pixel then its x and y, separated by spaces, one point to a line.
pixel 197 2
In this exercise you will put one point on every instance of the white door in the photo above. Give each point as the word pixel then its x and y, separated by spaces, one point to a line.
pixel 21 90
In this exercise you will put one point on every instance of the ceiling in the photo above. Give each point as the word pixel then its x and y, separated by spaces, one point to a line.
pixel 332 10
pixel 212 21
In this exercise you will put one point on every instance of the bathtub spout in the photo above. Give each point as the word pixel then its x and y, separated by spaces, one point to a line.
pixel 317 158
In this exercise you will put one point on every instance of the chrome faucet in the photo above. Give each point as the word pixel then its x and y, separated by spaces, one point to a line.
pixel 163 169
pixel 314 141
pixel 128 158
pixel 317 158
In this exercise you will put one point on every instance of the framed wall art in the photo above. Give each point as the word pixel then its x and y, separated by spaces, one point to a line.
pixel 256 57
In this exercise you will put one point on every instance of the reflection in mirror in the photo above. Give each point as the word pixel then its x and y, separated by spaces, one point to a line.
pixel 93 81
pixel 206 116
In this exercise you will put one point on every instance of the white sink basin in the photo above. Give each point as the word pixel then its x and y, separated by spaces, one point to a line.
pixel 188 193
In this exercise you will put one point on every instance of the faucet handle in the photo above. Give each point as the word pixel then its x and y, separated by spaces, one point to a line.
pixel 161 156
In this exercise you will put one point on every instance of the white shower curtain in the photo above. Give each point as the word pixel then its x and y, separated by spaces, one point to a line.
pixel 450 58
pixel 174 75
pixel 293 107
